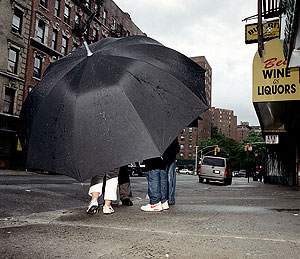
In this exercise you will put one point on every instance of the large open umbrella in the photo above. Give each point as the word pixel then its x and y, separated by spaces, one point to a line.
pixel 125 103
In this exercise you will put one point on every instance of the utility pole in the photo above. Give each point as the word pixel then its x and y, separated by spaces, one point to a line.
pixel 196 165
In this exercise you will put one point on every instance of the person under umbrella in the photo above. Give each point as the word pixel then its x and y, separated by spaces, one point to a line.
pixel 110 193
pixel 157 185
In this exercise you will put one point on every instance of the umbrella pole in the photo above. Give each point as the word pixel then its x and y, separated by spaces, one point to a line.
pixel 89 52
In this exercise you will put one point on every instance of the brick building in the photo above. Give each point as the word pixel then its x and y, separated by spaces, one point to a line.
pixel 15 16
pixel 202 129
pixel 56 30
pixel 204 125
pixel 243 130
pixel 35 33
pixel 225 121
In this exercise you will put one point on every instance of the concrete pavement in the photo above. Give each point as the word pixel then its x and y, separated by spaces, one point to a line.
pixel 43 216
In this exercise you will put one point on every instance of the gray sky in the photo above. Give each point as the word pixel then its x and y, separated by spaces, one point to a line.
pixel 210 28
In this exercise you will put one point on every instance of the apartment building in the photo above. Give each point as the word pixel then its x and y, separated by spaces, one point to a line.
pixel 225 121
pixel 36 33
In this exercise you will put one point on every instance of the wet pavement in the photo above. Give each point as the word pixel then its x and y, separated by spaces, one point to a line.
pixel 43 216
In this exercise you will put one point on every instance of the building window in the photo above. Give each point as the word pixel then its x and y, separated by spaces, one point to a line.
pixel 190 146
pixel 57 8
pixel 190 137
pixel 44 3
pixel 127 33
pixel 190 130
pixel 40 34
pixel 97 9
pixel 77 19
pixel 190 155
pixel 64 46
pixel 88 3
pixel 8 105
pixel 182 138
pixel 13 58
pixel 181 155
pixel 37 69
pixel 67 14
pixel 182 146
pixel 54 39
pixel 113 23
pixel 17 21
pixel 75 46
pixel 104 17
pixel 95 35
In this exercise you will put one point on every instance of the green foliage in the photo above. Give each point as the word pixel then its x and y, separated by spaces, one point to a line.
pixel 234 150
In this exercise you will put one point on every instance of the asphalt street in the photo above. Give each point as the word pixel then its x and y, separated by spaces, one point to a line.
pixel 43 216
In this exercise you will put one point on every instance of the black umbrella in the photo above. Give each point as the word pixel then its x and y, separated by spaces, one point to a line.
pixel 125 103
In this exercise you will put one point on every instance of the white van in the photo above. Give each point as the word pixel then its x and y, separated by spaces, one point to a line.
pixel 216 169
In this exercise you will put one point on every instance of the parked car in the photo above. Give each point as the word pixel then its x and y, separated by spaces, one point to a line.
pixel 242 173
pixel 216 169
pixel 185 171
pixel 235 173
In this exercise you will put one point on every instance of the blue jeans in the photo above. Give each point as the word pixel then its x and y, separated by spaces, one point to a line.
pixel 157 185
pixel 170 169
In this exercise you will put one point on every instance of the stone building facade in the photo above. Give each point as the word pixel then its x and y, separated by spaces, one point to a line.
pixel 15 17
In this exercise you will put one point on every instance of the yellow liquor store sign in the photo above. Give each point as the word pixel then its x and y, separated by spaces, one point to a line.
pixel 272 80
pixel 270 31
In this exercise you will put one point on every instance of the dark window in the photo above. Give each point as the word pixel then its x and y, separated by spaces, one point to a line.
pixel 182 146
pixel 44 3
pixel 64 45
pixel 127 34
pixel 77 19
pixel 8 106
pixel 57 8
pixel 54 39
pixel 17 21
pixel 190 146
pixel 95 35
pixel 67 14
pixel 190 137
pixel 213 161
pixel 97 9
pixel 37 69
pixel 13 58
pixel 104 17
pixel 40 34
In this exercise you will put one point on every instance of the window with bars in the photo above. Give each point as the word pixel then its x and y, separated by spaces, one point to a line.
pixel 13 58
pixel 104 17
pixel 8 105
pixel 17 21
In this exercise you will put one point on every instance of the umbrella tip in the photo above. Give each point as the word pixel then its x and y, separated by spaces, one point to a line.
pixel 81 184
pixel 89 52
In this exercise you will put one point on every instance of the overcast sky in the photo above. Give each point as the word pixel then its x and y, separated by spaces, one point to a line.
pixel 210 28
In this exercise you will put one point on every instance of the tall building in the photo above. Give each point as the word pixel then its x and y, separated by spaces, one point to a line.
pixel 225 121
pixel 34 34
pixel 204 125
pixel 15 17
pixel 200 129
pixel 243 131
pixel 57 27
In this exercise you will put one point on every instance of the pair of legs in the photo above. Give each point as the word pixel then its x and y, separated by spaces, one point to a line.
pixel 95 192
pixel 157 190
pixel 124 186
pixel 171 172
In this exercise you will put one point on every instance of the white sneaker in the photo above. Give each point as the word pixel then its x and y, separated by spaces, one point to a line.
pixel 93 206
pixel 154 207
pixel 108 209
pixel 165 205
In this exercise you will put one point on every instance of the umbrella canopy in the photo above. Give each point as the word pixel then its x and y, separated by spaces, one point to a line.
pixel 125 103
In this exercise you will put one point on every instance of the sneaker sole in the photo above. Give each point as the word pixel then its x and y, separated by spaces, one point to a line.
pixel 93 210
